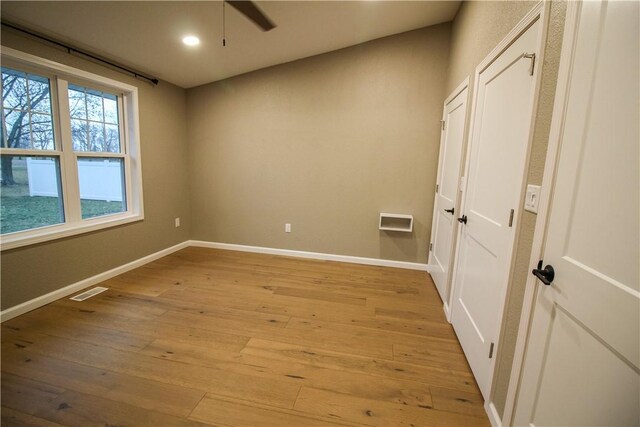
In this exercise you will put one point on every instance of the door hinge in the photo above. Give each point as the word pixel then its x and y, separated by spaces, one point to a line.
pixel 532 57
pixel 442 122
pixel 437 188
pixel 491 351
pixel 430 247
pixel 511 218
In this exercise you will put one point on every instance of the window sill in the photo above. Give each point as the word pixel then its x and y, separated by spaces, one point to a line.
pixel 54 232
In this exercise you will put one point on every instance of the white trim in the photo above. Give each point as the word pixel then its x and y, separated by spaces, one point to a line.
pixel 492 413
pixel 53 232
pixel 553 150
pixel 462 86
pixel 19 309
pixel 311 255
pixel 539 12
pixel 447 311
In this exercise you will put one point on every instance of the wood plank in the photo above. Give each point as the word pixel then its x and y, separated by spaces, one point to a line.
pixel 355 288
pixel 358 384
pixel 73 408
pixel 431 356
pixel 459 380
pixel 449 344
pixel 320 295
pixel 12 418
pixel 435 314
pixel 216 411
pixel 458 401
pixel 377 413
pixel 139 332
pixel 143 393
pixel 362 318
pixel 246 387
pixel 56 324
pixel 27 395
pixel 323 338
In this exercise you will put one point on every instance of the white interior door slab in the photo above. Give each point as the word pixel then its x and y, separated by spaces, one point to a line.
pixel 495 172
pixel 582 359
pixel 445 205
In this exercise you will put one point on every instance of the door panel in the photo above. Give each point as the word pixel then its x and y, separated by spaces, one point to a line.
pixel 582 364
pixel 444 223
pixel 497 154
pixel 611 379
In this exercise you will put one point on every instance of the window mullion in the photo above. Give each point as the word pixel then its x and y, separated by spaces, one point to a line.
pixel 68 159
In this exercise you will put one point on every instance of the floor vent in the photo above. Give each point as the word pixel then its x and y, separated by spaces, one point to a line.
pixel 88 294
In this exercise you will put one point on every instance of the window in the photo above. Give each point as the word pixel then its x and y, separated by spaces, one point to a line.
pixel 69 151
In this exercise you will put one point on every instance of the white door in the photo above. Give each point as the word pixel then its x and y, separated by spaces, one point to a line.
pixel 495 169
pixel 444 225
pixel 582 359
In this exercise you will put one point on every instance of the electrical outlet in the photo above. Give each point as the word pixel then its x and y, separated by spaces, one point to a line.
pixel 287 228
pixel 177 222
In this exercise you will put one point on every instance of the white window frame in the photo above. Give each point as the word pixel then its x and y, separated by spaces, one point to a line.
pixel 61 76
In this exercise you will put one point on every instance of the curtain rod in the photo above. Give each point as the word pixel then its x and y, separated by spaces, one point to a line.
pixel 71 49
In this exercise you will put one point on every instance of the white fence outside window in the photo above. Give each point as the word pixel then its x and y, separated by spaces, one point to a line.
pixel 99 180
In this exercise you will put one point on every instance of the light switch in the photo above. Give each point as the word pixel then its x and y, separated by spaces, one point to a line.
pixel 532 198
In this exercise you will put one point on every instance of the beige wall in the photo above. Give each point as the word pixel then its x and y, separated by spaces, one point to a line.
pixel 476 30
pixel 324 143
pixel 36 270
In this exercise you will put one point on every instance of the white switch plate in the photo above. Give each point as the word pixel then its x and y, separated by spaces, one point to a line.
pixel 177 222
pixel 532 198
pixel 287 228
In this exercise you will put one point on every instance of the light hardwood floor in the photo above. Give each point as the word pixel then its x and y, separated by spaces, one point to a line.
pixel 216 337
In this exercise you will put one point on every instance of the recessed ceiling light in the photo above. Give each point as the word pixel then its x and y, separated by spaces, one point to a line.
pixel 191 40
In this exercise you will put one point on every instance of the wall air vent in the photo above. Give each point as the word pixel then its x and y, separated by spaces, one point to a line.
pixel 88 294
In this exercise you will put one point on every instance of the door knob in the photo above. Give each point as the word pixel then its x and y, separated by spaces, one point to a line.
pixel 545 275
pixel 463 219
pixel 450 210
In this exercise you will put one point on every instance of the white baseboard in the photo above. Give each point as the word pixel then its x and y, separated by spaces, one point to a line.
pixel 447 311
pixel 492 413
pixel 19 309
pixel 311 255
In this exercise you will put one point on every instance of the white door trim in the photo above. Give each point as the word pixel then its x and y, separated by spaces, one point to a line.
pixel 539 12
pixel 462 86
pixel 457 91
pixel 546 191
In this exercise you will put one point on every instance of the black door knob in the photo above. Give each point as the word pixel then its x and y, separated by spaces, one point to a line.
pixel 449 210
pixel 545 275
pixel 463 219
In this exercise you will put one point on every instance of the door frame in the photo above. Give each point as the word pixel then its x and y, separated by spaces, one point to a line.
pixel 539 12
pixel 459 89
pixel 546 193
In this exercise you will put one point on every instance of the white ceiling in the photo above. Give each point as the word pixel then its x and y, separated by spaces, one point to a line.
pixel 147 35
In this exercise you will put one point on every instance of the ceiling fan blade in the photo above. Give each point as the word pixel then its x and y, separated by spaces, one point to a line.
pixel 251 11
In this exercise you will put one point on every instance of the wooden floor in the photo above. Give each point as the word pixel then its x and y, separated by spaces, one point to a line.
pixel 209 337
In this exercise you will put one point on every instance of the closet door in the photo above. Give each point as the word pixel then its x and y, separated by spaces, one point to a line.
pixel 445 205
pixel 496 160
pixel 582 364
